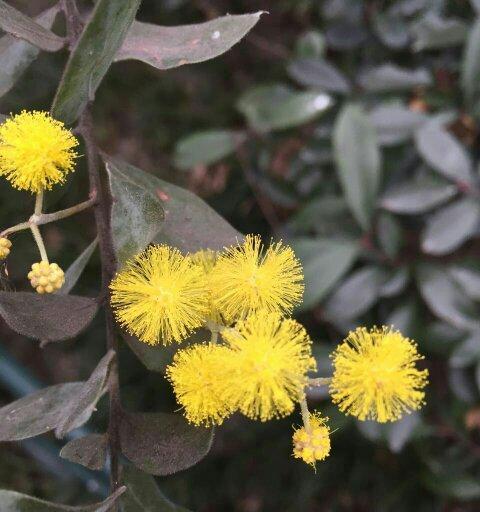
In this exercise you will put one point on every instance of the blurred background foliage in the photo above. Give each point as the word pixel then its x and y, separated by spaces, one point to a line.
pixel 350 129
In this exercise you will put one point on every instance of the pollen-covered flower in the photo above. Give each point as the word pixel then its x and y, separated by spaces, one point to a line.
pixel 5 246
pixel 248 278
pixel 206 260
pixel 312 442
pixel 375 375
pixel 198 375
pixel 36 151
pixel 160 296
pixel 46 277
pixel 272 357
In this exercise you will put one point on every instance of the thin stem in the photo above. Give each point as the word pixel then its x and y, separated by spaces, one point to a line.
pixel 38 203
pixel 39 241
pixel 214 337
pixel 319 381
pixel 305 413
pixel 14 229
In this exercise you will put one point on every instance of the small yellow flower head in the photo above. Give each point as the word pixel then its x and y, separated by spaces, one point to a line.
pixel 5 245
pixel 46 277
pixel 206 260
pixel 312 443
pixel 272 357
pixel 160 296
pixel 375 376
pixel 247 278
pixel 36 151
pixel 197 375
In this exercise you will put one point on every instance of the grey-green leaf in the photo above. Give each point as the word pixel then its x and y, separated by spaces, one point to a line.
pixel 189 224
pixel 466 352
pixel 471 64
pixel 443 152
pixel 207 147
pixel 93 54
pixel 390 77
pixel 22 27
pixel 400 432
pixel 318 73
pixel 161 443
pixel 276 107
pixel 468 279
pixel 358 161
pixel 36 316
pixel 325 262
pixel 75 270
pixel 143 494
pixel 78 411
pixel 89 451
pixel 11 501
pixel 170 47
pixel 448 228
pixel 433 31
pixel 16 55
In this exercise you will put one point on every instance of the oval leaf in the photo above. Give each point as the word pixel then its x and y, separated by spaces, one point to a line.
pixel 471 63
pixel 170 47
pixel 89 451
pixel 358 161
pixel 94 52
pixel 161 443
pixel 390 77
pixel 317 73
pixel 75 270
pixel 37 316
pixel 433 31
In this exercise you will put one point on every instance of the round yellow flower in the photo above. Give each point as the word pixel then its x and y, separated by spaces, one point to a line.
pixel 272 356
pixel 36 151
pixel 160 296
pixel 312 443
pixel 46 277
pixel 375 375
pixel 5 246
pixel 198 374
pixel 248 278
pixel 206 260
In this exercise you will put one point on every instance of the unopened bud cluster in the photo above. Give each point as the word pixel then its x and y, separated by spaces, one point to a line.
pixel 312 443
pixel 46 277
pixel 5 245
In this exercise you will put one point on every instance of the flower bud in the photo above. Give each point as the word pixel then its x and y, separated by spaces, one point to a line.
pixel 5 245
pixel 46 277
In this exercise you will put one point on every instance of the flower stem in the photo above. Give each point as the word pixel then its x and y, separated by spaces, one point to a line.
pixel 38 203
pixel 305 413
pixel 39 241
pixel 319 381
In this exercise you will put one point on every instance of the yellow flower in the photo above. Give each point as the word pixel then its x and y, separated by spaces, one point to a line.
pixel 247 278
pixel 312 443
pixel 5 246
pixel 197 375
pixel 160 296
pixel 375 376
pixel 272 356
pixel 46 277
pixel 206 260
pixel 36 151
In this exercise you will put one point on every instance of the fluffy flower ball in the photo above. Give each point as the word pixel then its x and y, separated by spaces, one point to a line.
pixel 5 246
pixel 312 442
pixel 36 151
pixel 248 278
pixel 375 375
pixel 160 296
pixel 46 277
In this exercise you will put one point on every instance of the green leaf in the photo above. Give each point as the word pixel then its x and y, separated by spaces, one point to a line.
pixel 170 47
pixel 358 161
pixel 445 298
pixel 75 270
pixel 89 451
pixel 448 228
pixel 433 31
pixel 389 234
pixel 318 74
pixel 390 77
pixel 16 55
pixel 143 494
pixel 391 28
pixel 276 107
pixel 36 316
pixel 11 501
pixel 189 224
pixel 20 26
pixel 325 262
pixel 400 432
pixel 396 281
pixel 443 152
pixel 311 44
pixel 161 443
pixel 418 195
pixel 464 488
pixel 207 147
pixel 471 64
pixel 86 400
pixel 468 279
pixel 467 352
pixel 93 54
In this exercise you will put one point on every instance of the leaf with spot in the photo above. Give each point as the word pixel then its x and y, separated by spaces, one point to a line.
pixel 89 451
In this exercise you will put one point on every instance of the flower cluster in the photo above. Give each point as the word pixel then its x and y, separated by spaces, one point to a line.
pixel 5 246
pixel 46 277
pixel 258 359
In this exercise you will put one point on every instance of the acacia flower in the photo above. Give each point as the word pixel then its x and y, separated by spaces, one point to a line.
pixel 312 442
pixel 46 277
pixel 5 246
pixel 36 151
pixel 272 356
pixel 375 375
pixel 160 296
pixel 248 278
pixel 198 374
